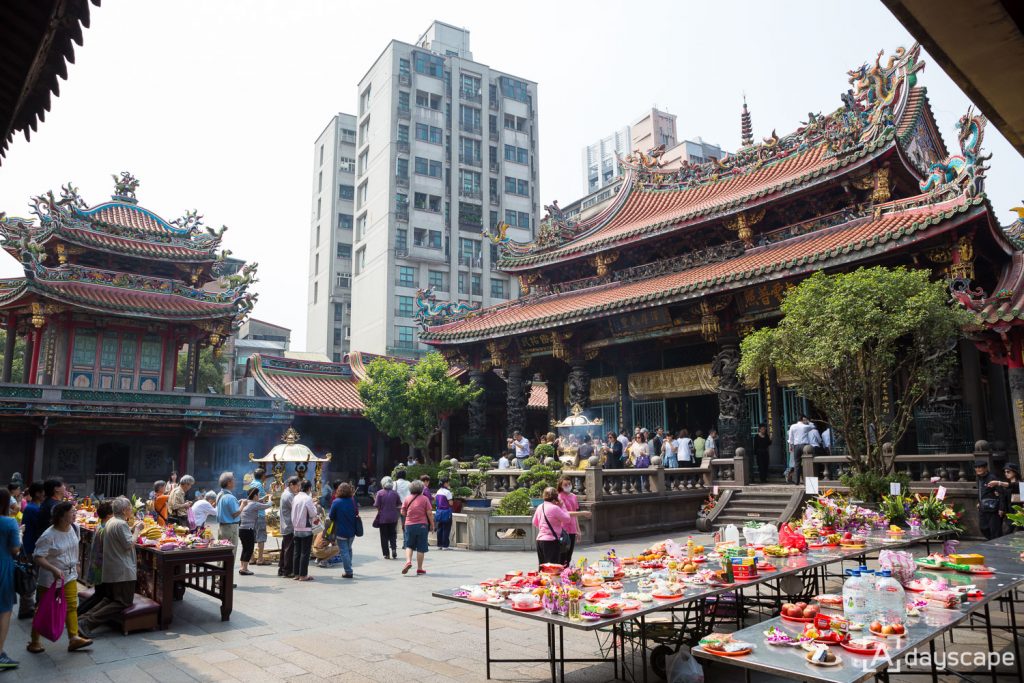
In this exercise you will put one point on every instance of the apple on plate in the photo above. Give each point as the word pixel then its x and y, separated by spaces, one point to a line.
pixel 847 536
pixel 810 611
pixel 898 629
pixel 876 626
pixel 801 605
pixel 787 607
pixel 888 630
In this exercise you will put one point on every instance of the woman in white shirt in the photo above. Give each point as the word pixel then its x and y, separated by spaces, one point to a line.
pixel 56 554
pixel 203 509
pixel 685 449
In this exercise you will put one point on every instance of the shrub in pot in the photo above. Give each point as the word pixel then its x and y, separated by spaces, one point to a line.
pixel 515 503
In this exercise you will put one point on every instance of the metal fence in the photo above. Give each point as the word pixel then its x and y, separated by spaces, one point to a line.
pixel 111 484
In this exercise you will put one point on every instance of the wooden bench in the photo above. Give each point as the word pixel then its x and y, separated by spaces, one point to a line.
pixel 142 615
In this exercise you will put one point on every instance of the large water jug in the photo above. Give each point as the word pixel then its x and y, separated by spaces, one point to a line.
pixel 731 534
pixel 891 599
pixel 855 597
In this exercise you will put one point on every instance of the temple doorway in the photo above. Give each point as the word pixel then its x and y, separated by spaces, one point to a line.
pixel 112 461
pixel 692 413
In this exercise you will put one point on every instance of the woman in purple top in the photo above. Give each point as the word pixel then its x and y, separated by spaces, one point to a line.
pixel 551 520
pixel 388 504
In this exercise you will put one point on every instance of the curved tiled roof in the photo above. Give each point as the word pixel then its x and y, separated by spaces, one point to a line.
pixel 808 252
pixel 129 216
pixel 139 248
pixel 307 386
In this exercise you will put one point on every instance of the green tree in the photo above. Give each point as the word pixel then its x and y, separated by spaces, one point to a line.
pixel 211 371
pixel 409 403
pixel 18 362
pixel 850 337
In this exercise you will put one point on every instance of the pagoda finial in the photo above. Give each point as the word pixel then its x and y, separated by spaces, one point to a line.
pixel 746 129
pixel 124 187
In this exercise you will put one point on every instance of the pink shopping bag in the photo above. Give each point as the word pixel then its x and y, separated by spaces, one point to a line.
pixel 51 613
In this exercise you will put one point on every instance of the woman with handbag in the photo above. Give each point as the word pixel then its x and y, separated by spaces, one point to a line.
pixel 388 503
pixel 56 553
pixel 251 507
pixel 10 544
pixel 418 514
pixel 443 515
pixel 304 518
pixel 345 516
pixel 552 523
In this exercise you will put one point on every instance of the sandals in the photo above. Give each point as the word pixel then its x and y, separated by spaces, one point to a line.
pixel 35 648
pixel 245 572
pixel 407 567
pixel 306 578
pixel 421 571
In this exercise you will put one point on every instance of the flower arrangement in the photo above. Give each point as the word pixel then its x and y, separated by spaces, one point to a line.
pixel 555 598
pixel 573 574
pixel 935 515
pixel 833 510
pixel 825 509
pixel 610 556
pixel 896 508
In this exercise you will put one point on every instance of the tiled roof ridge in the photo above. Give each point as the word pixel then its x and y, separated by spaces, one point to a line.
pixel 310 392
pixel 438 334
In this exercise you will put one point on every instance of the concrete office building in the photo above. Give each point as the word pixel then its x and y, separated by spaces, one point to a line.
pixel 600 159
pixel 447 147
pixel 329 296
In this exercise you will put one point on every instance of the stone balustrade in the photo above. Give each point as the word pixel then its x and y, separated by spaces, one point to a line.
pixel 946 468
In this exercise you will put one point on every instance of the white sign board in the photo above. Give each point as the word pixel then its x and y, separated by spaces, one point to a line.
pixel 941 493
pixel 895 488
pixel 811 484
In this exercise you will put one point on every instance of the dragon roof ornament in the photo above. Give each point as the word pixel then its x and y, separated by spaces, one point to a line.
pixel 430 311
pixel 871 107
pixel 964 172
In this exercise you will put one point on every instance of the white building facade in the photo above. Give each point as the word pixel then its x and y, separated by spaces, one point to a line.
pixel 446 147
pixel 600 159
pixel 329 294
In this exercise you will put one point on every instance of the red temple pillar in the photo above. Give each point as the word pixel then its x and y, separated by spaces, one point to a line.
pixel 1015 376
pixel 37 338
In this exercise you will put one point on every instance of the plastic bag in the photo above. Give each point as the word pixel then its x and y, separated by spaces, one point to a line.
pixel 791 539
pixel 683 668
pixel 51 613
pixel 766 534
pixel 900 563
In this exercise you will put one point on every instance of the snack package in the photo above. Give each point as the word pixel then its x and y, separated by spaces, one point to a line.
pixel 900 563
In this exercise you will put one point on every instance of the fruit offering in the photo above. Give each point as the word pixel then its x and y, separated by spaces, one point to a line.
pixel 888 629
pixel 799 611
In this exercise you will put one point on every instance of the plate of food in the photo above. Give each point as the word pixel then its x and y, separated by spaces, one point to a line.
pixel 978 569
pixel 799 612
pixel 723 645
pixel 887 630
pixel 863 646
pixel 780 638
pixel 551 568
pixel 829 600
pixel 630 604
pixel 612 585
pixel 823 657
pixel 597 595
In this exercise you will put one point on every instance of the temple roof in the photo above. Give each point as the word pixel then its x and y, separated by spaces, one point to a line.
pixel 894 225
pixel 308 386
pixel 882 110
pixel 36 41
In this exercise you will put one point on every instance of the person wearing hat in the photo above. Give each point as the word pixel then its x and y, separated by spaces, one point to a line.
pixel 990 503
pixel 1011 490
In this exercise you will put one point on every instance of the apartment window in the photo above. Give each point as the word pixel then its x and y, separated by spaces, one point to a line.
pixel 519 219
pixel 364 129
pixel 419 237
pixel 469 181
pixel 346 165
pixel 469 117
pixel 320 182
pixel 431 134
pixel 475 287
pixel 517 186
pixel 470 215
pixel 513 88
pixel 404 306
pixel 403 100
pixel 316 263
pixel 363 193
pixel 402 238
pixel 364 100
pixel 344 280
pixel 344 221
pixel 316 292
pixel 469 150
pixel 402 167
pixel 403 67
pixel 339 311
pixel 318 207
pixel 428 64
pixel 363 160
pixel 435 278
pixel 428 100
pixel 428 167
pixel 517 155
pixel 321 155
pixel 348 135
pixel 337 336
pixel 498 290
pixel 513 122
pixel 430 239
pixel 405 337
pixel 344 250
pixel 403 133
pixel 360 227
pixel 360 261
pixel 494 252
pixel 469 86
pixel 463 287
pixel 406 276
pixel 427 202
pixel 317 236
pixel 346 192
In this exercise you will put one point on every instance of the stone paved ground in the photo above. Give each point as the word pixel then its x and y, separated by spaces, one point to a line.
pixel 380 626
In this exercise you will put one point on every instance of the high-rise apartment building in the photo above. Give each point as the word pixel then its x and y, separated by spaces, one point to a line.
pixel 446 147
pixel 329 298
pixel 653 129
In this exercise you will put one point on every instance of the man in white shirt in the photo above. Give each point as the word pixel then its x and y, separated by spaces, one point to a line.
pixel 799 436
pixel 624 440
pixel 814 438
pixel 522 445
pixel 826 440
pixel 503 462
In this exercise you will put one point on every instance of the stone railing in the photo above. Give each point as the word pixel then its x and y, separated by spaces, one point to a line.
pixel 955 469
pixel 478 529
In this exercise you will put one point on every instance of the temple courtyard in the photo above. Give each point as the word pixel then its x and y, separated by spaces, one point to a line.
pixel 380 626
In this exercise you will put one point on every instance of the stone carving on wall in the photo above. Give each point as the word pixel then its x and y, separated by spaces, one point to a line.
pixel 516 398
pixel 730 398
pixel 579 386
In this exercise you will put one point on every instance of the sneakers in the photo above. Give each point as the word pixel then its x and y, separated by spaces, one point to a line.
pixel 407 567
pixel 6 662
pixel 421 571
pixel 78 642
pixel 346 576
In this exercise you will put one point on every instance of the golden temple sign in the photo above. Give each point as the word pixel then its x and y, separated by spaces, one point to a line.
pixel 689 381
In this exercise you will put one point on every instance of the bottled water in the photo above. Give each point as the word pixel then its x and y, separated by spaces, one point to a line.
pixel 891 599
pixel 855 597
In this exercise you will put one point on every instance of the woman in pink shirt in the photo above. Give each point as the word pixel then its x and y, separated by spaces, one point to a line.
pixel 418 514
pixel 567 499
pixel 551 520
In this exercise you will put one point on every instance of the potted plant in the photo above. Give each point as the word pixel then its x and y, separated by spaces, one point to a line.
pixel 515 503
pixel 477 484
pixel 461 493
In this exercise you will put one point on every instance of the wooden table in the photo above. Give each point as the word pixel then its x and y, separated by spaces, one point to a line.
pixel 164 575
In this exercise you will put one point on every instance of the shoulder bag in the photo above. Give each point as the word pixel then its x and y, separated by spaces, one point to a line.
pixel 564 540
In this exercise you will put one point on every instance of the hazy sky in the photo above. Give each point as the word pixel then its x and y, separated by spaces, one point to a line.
pixel 215 105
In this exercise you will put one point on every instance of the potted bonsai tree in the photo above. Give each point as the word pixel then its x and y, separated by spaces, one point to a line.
pixel 477 487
